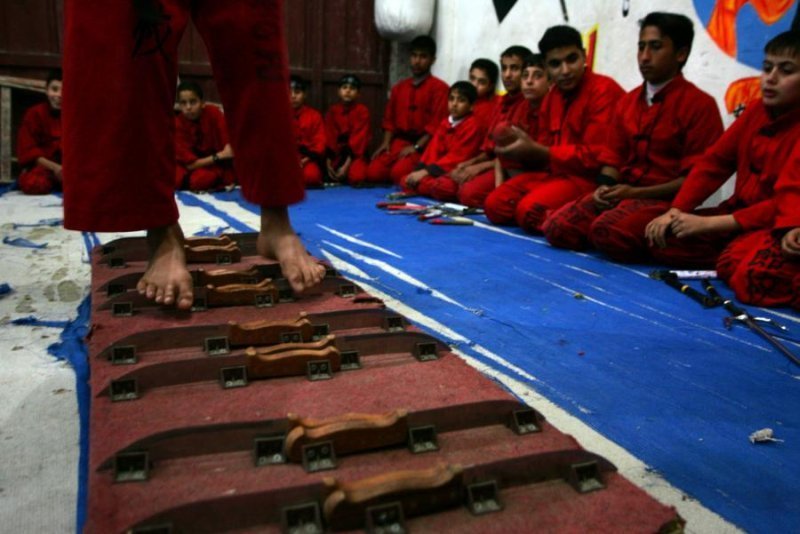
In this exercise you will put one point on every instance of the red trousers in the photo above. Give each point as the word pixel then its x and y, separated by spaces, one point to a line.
pixel 695 252
pixel 212 178
pixel 528 198
pixel 758 272
pixel 118 121
pixel 312 174
pixel 38 181
pixel 617 232
pixel 441 188
pixel 474 192
pixel 388 167
pixel 357 173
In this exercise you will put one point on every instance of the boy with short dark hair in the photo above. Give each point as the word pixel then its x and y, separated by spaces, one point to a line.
pixel 574 123
pixel 203 154
pixel 309 131
pixel 415 108
pixel 347 132
pixel 483 75
pixel 458 138
pixel 756 147
pixel 39 142
pixel 660 129
pixel 476 177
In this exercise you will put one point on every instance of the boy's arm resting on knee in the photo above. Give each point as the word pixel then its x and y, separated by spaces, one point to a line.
pixel 384 146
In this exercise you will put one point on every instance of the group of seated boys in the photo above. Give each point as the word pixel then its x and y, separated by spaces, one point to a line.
pixel 565 152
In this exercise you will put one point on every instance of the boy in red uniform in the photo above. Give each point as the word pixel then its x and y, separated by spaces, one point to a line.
pixel 39 142
pixel 660 129
pixel 202 150
pixel 476 176
pixel 574 122
pixel 763 267
pixel 483 75
pixel 458 138
pixel 416 107
pixel 347 131
pixel 119 149
pixel 757 147
pixel 309 130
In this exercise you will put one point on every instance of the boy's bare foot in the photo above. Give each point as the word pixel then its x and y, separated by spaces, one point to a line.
pixel 167 280
pixel 277 240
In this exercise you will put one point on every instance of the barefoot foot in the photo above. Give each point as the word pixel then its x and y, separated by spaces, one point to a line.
pixel 277 240
pixel 167 280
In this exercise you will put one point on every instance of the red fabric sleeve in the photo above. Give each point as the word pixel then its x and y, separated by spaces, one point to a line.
pixel 317 139
pixel 388 122
pixel 184 141
pixel 464 144
pixel 713 169
pixel 217 122
pixel 614 152
pixel 331 131
pixel 360 134
pixel 438 95
pixel 29 148
pixel 578 158
pixel 704 128
pixel 756 216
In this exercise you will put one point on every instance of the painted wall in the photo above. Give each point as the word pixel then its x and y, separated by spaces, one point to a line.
pixel 725 60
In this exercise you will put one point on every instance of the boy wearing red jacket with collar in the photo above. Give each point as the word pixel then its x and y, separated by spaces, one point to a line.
pixel 416 107
pixel 756 147
pixel 203 153
pixel 458 138
pixel 347 132
pixel 39 142
pixel 309 131
pixel 660 129
pixel 574 123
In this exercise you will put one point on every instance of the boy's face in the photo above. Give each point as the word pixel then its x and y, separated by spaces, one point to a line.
pixel 348 93
pixel 457 105
pixel 297 97
pixel 658 60
pixel 534 83
pixel 480 80
pixel 421 62
pixel 780 82
pixel 511 69
pixel 190 105
pixel 53 92
pixel 566 66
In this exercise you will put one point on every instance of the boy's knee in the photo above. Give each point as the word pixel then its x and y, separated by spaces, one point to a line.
pixel 36 182
pixel 561 232
pixel 530 215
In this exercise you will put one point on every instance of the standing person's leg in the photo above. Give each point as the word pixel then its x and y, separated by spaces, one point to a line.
pixel 120 71
pixel 246 46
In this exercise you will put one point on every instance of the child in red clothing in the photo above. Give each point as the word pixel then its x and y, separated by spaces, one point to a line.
pixel 574 123
pixel 309 131
pixel 458 138
pixel 39 142
pixel 347 131
pixel 756 147
pixel 415 108
pixel 203 153
pixel 483 75
pixel 660 129
pixel 476 176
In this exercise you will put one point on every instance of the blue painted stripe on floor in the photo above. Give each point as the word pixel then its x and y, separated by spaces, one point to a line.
pixel 193 200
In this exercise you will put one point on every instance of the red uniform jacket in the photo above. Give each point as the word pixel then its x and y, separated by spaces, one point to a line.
pixel 756 147
pixel 309 131
pixel 512 109
pixel 203 137
pixel 414 110
pixel 654 144
pixel 452 144
pixel 577 126
pixel 39 135
pixel 347 127
pixel 484 108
